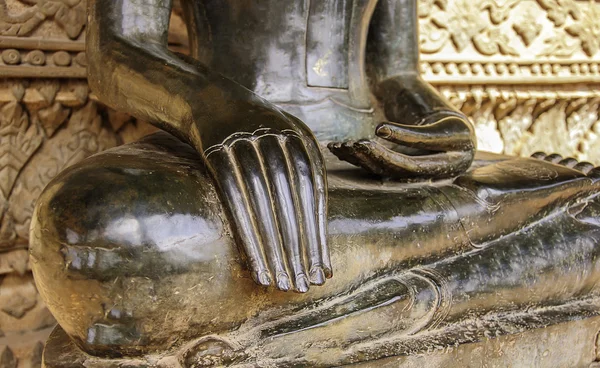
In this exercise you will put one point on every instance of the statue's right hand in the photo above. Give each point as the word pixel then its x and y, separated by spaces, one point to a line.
pixel 273 183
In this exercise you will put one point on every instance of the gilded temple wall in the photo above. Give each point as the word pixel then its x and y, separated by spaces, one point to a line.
pixel 525 71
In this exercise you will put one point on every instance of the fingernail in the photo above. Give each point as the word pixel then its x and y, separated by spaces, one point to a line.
pixel 263 278
pixel 384 131
pixel 302 283
pixel 317 276
pixel 363 146
pixel 283 282
pixel 328 272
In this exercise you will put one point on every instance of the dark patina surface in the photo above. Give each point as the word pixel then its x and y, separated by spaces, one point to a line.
pixel 130 266
pixel 174 251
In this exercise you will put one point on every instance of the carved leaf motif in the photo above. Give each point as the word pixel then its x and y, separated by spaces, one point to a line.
pixel 484 45
pixel 18 141
pixel 425 7
pixel 582 114
pixel 17 301
pixel 488 137
pixel 493 41
pixel 462 23
pixel 588 31
pixel 559 10
pixel 72 19
pixel 527 30
pixel 68 14
pixel 83 135
pixel 431 38
pixel 52 117
pixel 50 8
pixel 549 131
pixel 558 46
pixel 514 124
pixel 499 12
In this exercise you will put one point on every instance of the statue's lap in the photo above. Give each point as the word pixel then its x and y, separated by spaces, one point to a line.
pixel 132 250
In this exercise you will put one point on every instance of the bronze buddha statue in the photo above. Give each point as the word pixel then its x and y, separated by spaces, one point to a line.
pixel 174 251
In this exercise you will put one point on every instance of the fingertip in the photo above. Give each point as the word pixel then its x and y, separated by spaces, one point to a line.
pixel 539 155
pixel 262 278
pixel 302 284
pixel 554 158
pixel 383 131
pixel 334 145
pixel 283 282
pixel 317 276
pixel 328 272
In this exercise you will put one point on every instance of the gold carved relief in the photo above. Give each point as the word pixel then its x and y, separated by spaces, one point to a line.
pixel 526 71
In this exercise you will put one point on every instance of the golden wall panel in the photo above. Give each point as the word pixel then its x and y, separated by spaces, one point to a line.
pixel 526 71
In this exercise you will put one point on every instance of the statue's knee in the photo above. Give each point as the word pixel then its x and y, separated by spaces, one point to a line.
pixel 112 236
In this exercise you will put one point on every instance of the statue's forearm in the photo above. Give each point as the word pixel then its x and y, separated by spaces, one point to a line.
pixel 129 60
pixel 394 57
pixel 132 70
pixel 394 42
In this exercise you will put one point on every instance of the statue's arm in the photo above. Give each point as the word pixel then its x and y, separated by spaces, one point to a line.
pixel 132 70
pixel 267 164
pixel 440 139
pixel 130 67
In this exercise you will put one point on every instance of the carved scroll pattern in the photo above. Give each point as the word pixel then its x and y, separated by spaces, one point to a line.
pixel 45 127
pixel 556 28
pixel 510 40
pixel 523 121
pixel 28 17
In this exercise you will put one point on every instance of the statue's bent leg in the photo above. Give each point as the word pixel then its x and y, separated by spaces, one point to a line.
pixel 133 255
pixel 123 240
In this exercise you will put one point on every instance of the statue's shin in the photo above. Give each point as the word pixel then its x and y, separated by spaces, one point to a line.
pixel 149 261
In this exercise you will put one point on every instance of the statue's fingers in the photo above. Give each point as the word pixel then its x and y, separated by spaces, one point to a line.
pixel 260 199
pixel 379 159
pixel 320 181
pixel 345 152
pixel 304 188
pixel 235 196
pixel 448 134
pixel 280 182
pixel 320 184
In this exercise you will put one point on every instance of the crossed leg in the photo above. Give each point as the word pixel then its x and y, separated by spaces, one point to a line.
pixel 132 253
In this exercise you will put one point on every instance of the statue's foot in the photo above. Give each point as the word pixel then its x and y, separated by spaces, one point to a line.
pixel 583 166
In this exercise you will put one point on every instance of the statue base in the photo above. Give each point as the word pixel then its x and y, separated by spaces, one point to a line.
pixel 557 336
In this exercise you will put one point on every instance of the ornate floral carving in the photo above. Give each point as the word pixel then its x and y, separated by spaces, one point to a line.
pixel 519 104
pixel 68 14
pixel 587 30
pixel 519 121
pixel 558 11
pixel 528 31
pixel 46 126
pixel 510 27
